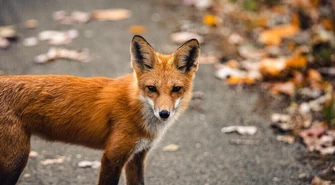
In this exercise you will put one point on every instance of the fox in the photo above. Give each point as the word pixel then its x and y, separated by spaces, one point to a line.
pixel 124 117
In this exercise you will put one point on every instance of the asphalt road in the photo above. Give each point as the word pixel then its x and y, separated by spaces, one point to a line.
pixel 206 156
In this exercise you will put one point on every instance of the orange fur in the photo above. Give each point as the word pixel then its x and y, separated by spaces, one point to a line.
pixel 108 114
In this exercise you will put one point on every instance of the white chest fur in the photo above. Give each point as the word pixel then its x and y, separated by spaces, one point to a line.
pixel 143 144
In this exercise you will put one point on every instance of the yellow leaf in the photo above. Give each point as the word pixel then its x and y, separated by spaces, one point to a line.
pixel 210 20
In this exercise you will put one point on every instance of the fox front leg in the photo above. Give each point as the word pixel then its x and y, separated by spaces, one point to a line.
pixel 116 155
pixel 135 168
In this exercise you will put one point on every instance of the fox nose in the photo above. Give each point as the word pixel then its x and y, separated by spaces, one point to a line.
pixel 164 114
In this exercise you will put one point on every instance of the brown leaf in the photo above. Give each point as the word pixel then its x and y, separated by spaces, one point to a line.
pixel 286 139
pixel 287 88
pixel 31 23
pixel 318 181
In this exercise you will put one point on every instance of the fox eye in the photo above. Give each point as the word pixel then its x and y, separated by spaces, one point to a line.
pixel 152 88
pixel 176 89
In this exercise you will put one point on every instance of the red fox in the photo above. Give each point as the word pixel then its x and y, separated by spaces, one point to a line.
pixel 125 116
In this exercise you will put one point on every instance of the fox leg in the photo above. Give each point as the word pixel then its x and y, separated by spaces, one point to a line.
pixel 135 169
pixel 117 153
pixel 14 150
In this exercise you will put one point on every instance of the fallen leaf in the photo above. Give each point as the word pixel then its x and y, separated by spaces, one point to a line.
pixel 275 35
pixel 30 41
pixel 286 139
pixel 282 121
pixel 314 75
pixel 233 64
pixel 138 29
pixel 59 159
pixel 89 164
pixel 235 38
pixel 31 23
pixel 250 52
pixel 280 118
pixel 287 88
pixel 60 53
pixel 8 32
pixel 171 148
pixel 302 175
pixel 4 43
pixel 235 80
pixel 211 20
pixel 58 37
pixel 224 72
pixel 111 14
pixel 296 62
pixel 244 130
pixel 297 79
pixel 33 154
pixel 182 37
pixel 26 175
pixel 60 15
pixel 272 67
pixel 80 17
pixel 318 181
pixel 311 137
pixel 327 24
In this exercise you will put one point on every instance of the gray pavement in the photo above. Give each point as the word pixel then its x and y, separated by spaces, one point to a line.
pixel 206 156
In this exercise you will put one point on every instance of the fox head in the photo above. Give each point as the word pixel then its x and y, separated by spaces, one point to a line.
pixel 164 81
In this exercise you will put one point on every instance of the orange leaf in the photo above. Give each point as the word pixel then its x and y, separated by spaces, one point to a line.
pixel 315 79
pixel 328 24
pixel 296 62
pixel 275 35
pixel 137 29
pixel 314 75
pixel 233 64
pixel 235 80
pixel 210 20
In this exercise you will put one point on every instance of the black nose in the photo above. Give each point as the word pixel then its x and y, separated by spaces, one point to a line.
pixel 164 114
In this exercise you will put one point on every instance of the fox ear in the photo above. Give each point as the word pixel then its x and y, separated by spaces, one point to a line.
pixel 186 57
pixel 142 54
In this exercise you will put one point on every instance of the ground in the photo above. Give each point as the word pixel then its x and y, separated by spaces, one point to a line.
pixel 206 156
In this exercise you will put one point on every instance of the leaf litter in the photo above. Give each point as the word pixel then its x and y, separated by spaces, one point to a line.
pixel 286 48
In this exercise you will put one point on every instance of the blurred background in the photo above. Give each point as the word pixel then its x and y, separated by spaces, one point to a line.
pixel 262 110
